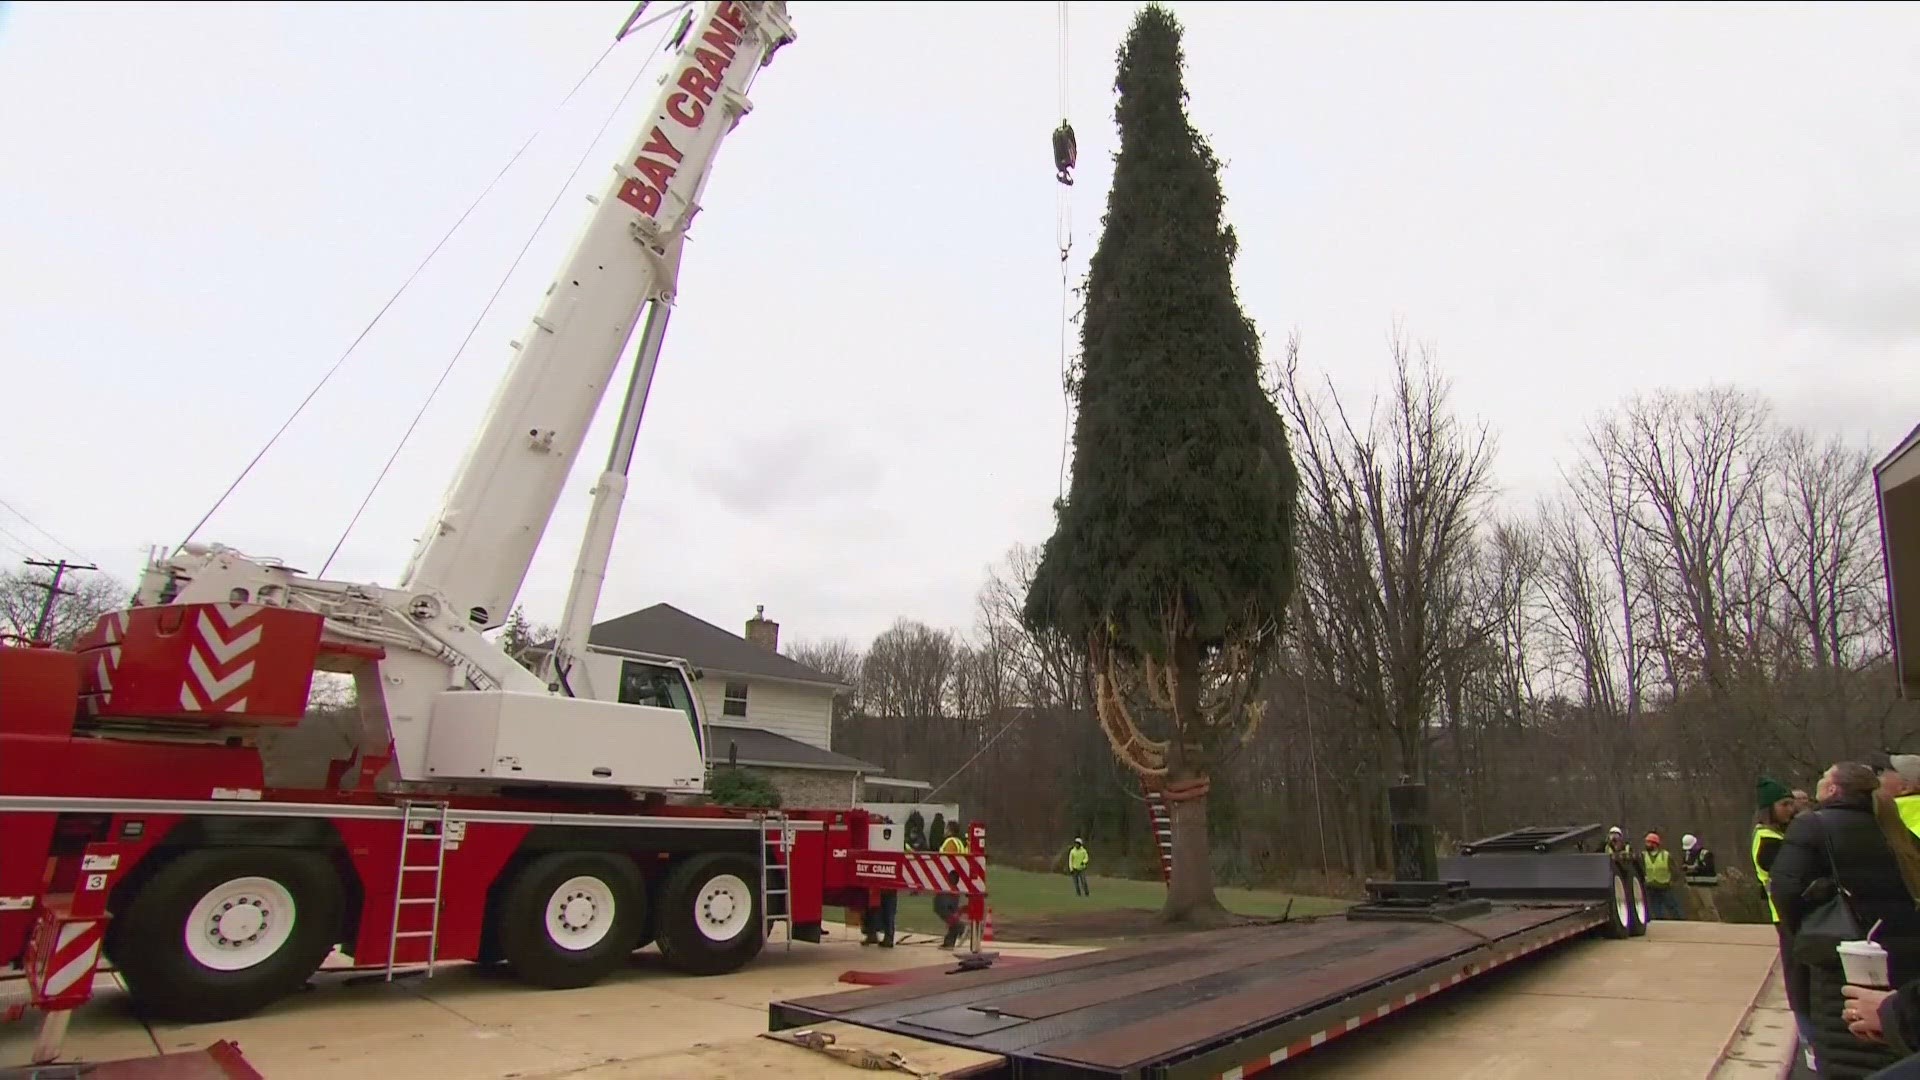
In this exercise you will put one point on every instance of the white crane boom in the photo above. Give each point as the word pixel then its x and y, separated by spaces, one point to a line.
pixel 477 549
pixel 452 706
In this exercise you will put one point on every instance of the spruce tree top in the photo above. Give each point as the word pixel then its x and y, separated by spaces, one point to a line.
pixel 1183 484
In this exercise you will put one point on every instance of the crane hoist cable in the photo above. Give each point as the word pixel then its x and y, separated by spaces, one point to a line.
pixel 498 288
pixel 1066 154
pixel 404 285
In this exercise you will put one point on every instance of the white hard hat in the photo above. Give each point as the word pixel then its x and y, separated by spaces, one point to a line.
pixel 1689 840
pixel 1615 831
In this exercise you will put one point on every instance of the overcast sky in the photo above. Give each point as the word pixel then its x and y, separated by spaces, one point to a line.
pixel 858 408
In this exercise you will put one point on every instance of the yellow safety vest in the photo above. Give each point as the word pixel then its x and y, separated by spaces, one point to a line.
pixel 1076 858
pixel 1659 868
pixel 1765 832
pixel 1909 807
pixel 953 845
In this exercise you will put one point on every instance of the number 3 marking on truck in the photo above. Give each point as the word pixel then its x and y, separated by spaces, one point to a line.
pixel 96 882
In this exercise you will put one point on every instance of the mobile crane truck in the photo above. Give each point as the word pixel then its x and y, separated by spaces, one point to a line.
pixel 486 812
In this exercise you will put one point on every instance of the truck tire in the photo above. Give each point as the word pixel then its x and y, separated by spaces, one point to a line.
pixel 709 917
pixel 1620 905
pixel 1637 887
pixel 568 918
pixel 219 933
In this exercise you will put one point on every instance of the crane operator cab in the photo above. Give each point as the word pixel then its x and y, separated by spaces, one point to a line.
pixel 659 686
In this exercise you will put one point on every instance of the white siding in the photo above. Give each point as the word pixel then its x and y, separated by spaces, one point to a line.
pixel 801 713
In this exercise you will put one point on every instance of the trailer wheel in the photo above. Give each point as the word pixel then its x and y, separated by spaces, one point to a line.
pixel 1637 888
pixel 709 918
pixel 569 918
pixel 217 934
pixel 1620 905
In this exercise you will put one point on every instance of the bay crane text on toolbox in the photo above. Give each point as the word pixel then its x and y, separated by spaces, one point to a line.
pixel 685 110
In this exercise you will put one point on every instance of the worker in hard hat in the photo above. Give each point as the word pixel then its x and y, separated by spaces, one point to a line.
pixel 1077 859
pixel 1701 871
pixel 1618 848
pixel 1662 901
pixel 948 905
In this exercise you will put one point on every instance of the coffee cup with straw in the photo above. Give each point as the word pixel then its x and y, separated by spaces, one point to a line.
pixel 1865 962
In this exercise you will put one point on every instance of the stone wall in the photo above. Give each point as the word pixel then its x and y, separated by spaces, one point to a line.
pixel 811 788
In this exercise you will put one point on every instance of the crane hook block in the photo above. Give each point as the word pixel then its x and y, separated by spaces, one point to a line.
pixel 1066 152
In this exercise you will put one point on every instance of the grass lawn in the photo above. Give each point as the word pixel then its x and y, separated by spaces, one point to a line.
pixel 1021 895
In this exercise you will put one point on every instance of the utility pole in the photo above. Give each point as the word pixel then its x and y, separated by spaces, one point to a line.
pixel 54 591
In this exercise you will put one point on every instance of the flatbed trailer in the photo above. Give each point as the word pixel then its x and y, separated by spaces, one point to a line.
pixel 1227 1004
pixel 1232 1003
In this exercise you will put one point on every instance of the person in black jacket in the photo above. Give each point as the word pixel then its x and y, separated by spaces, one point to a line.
pixel 1846 843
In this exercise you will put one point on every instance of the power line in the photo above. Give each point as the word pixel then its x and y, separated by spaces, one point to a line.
pixel 36 527
pixel 25 549
pixel 485 309
pixel 391 300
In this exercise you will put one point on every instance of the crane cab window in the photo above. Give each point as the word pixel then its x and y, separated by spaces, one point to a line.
pixel 657 686
pixel 735 702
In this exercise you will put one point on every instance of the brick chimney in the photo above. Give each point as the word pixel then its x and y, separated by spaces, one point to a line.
pixel 763 631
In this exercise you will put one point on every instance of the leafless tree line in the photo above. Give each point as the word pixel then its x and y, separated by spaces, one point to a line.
pixel 1701 602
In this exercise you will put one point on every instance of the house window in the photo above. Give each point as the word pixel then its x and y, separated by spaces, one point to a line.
pixel 658 687
pixel 735 702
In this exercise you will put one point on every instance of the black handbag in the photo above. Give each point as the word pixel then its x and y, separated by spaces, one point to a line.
pixel 1831 922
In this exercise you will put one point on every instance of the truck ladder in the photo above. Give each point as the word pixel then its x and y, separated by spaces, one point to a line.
pixel 776 854
pixel 420 823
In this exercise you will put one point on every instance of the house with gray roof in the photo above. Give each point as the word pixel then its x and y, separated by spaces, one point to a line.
pixel 766 711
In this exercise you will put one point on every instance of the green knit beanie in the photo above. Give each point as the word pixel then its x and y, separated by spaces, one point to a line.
pixel 1772 791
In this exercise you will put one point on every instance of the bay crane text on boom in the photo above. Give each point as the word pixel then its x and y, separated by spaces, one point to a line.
pixel 698 81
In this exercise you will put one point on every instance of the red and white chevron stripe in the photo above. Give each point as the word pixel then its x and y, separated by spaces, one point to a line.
pixel 62 961
pixel 932 872
pixel 220 662
pixel 112 628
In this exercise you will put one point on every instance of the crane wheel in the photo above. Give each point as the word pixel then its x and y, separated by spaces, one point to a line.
pixel 569 918
pixel 1620 905
pixel 709 922
pixel 219 933
pixel 1637 887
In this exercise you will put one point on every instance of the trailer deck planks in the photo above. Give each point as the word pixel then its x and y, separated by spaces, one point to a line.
pixel 1224 1004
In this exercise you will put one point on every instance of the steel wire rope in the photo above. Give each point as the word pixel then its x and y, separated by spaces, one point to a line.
pixel 497 290
pixel 35 526
pixel 1063 238
pixel 397 293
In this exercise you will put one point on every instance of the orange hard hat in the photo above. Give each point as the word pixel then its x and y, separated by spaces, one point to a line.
pixel 1653 839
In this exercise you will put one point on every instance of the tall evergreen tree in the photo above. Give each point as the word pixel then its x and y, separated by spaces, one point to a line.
pixel 1172 555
